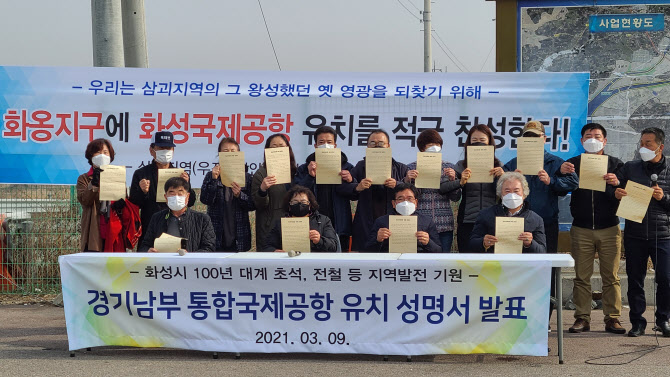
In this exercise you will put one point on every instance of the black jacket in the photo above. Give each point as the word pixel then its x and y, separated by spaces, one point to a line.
pixel 195 227
pixel 656 223
pixel 318 222
pixel 423 224
pixel 475 196
pixel 364 218
pixel 486 224
pixel 147 202
pixel 595 209
pixel 341 204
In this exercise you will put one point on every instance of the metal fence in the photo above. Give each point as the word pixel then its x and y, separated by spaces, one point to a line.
pixel 44 223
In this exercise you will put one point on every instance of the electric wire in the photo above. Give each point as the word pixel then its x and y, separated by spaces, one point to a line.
pixel 269 36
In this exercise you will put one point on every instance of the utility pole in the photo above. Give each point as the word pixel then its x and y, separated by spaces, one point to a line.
pixel 134 34
pixel 107 33
pixel 427 50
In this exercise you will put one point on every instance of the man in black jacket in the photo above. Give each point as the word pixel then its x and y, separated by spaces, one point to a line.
pixel 404 203
pixel 595 228
pixel 332 199
pixel 179 221
pixel 145 179
pixel 651 237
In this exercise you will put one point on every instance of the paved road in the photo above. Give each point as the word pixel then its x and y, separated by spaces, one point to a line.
pixel 33 342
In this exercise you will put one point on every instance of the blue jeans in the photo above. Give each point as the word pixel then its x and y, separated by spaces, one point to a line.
pixel 446 238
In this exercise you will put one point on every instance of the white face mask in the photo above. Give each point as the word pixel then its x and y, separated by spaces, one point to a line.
pixel 176 203
pixel 593 145
pixel 164 156
pixel 434 149
pixel 101 160
pixel 512 200
pixel 647 154
pixel 405 208
pixel 327 146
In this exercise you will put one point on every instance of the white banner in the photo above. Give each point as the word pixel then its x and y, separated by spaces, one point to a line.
pixel 50 114
pixel 385 304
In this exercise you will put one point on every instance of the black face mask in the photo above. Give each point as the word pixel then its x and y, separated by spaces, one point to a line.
pixel 298 210
pixel 478 144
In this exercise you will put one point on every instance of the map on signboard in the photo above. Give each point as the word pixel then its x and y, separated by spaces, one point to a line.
pixel 626 49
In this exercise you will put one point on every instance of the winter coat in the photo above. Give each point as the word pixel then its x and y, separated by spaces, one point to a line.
pixel 543 198
pixel 195 227
pixel 341 203
pixel 364 218
pixel 213 195
pixel 318 222
pixel 656 222
pixel 423 224
pixel 486 224
pixel 595 209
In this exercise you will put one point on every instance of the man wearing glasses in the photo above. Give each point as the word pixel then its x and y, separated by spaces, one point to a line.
pixel 374 199
pixel 404 204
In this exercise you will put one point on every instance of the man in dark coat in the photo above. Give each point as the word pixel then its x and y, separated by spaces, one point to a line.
pixel 374 198
pixel 180 221
pixel 651 237
pixel 143 186
pixel 404 204
pixel 332 202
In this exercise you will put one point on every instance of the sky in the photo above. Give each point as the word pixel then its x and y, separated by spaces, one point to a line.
pixel 308 35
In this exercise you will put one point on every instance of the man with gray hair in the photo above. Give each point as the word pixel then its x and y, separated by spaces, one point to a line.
pixel 513 190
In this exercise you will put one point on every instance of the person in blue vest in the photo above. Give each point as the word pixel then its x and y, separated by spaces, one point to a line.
pixel 332 202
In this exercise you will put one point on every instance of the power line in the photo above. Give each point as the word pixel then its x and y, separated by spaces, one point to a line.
pixel 407 9
pixel 445 52
pixel 487 57
pixel 269 36
pixel 447 47
pixel 415 7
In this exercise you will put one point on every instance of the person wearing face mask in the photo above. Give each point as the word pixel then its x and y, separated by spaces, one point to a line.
pixel 301 202
pixel 435 203
pixel 180 221
pixel 267 194
pixel 595 229
pixel 374 198
pixel 228 207
pixel 546 186
pixel 651 238
pixel 105 226
pixel 475 196
pixel 405 203
pixel 332 199
pixel 145 179
pixel 513 189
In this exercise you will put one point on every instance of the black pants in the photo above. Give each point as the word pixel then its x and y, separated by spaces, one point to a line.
pixel 638 252
pixel 551 232
pixel 463 236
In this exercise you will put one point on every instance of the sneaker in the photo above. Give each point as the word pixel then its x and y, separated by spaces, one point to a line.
pixel 580 325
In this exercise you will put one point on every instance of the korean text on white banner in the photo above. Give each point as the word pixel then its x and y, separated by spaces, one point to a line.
pixel 50 114
pixel 386 304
